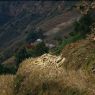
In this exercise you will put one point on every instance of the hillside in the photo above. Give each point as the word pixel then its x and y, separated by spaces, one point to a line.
pixel 46 75
pixel 23 16
pixel 70 73
pixel 80 55
pixel 28 66
pixel 73 70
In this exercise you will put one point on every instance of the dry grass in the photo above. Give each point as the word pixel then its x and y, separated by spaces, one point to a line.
pixel 45 76
pixel 6 84
pixel 54 75
pixel 80 55
pixel 34 73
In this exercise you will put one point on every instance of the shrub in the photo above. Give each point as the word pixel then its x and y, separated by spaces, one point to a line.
pixel 34 35
pixel 68 41
pixel 1 58
pixel 6 70
pixel 39 50
pixel 21 55
pixel 24 53
pixel 83 25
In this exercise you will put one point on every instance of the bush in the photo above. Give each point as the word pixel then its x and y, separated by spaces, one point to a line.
pixel 6 70
pixel 1 58
pixel 39 50
pixel 83 25
pixel 21 55
pixel 26 53
pixel 34 35
pixel 68 41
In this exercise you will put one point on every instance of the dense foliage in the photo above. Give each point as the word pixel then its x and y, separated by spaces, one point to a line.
pixel 33 52
pixel 34 35
pixel 83 25
pixel 6 70
pixel 21 55
pixel 67 41
pixel 81 28
pixel 39 50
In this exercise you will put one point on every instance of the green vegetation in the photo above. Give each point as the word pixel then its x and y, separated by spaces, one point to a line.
pixel 83 25
pixel 71 73
pixel 80 55
pixel 21 55
pixel 68 41
pixel 6 70
pixel 81 28
pixel 34 35
pixel 1 58
pixel 38 50
pixel 24 53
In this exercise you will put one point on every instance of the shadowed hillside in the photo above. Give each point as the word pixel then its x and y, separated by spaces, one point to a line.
pixel 50 48
pixel 24 16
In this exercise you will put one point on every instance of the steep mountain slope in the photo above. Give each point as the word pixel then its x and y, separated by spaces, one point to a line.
pixel 27 12
pixel 71 73
pixel 26 15
pixel 73 69
pixel 80 55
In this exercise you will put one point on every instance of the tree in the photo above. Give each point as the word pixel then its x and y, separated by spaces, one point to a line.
pixel 1 69
pixel 39 50
pixel 83 25
pixel 6 70
pixel 21 55
pixel 34 35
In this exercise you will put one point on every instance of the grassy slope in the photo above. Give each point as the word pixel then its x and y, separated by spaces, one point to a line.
pixel 35 78
pixel 73 77
pixel 80 55
pixel 76 76
pixel 6 84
